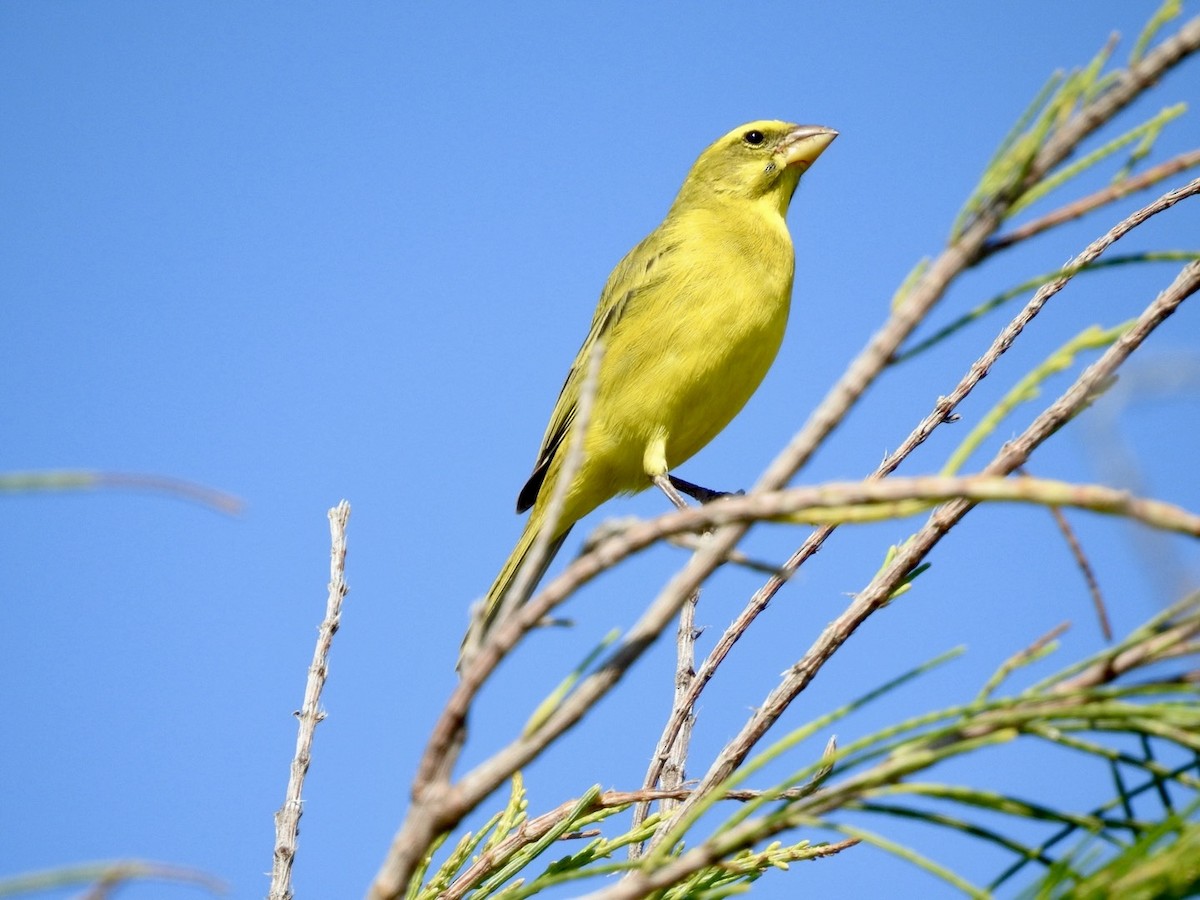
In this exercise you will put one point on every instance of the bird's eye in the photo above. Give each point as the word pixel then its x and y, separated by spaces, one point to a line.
pixel 753 138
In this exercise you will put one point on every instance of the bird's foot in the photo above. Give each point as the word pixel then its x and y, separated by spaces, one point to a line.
pixel 696 492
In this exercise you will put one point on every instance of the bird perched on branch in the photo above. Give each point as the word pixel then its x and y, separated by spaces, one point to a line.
pixel 689 322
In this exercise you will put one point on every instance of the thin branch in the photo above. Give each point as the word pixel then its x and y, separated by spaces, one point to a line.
pixel 111 874
pixel 691 542
pixel 856 501
pixel 674 757
pixel 287 819
pixel 86 479
pixel 1086 570
pixel 1084 565
pixel 1021 658
pixel 1084 205
pixel 1160 646
pixel 641 882
pixel 977 312
pixel 675 760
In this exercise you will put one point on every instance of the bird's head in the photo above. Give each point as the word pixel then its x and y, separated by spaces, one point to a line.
pixel 759 160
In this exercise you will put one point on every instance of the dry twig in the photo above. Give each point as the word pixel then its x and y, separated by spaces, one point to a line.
pixel 287 820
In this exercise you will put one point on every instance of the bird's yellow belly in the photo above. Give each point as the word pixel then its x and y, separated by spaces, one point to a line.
pixel 683 383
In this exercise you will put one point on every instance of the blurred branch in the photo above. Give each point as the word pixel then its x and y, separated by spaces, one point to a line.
pixel 1164 862
pixel 287 819
pixel 107 876
pixel 1086 570
pixel 1164 376
pixel 84 479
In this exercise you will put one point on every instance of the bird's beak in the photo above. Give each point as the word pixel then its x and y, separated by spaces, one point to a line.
pixel 804 144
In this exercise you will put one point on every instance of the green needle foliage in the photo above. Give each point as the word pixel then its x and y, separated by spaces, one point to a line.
pixel 1060 98
pixel 1171 9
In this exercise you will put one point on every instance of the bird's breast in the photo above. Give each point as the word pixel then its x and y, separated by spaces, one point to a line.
pixel 697 342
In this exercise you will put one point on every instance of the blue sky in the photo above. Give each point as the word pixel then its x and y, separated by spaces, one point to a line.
pixel 305 252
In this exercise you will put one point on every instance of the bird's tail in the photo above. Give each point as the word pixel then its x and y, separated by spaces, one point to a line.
pixel 485 613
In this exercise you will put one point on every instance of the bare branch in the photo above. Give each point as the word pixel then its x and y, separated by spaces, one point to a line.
pixel 675 760
pixel 287 820
pixel 1086 570
pixel 86 479
pixel 108 876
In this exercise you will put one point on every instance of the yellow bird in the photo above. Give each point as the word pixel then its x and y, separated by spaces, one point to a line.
pixel 690 320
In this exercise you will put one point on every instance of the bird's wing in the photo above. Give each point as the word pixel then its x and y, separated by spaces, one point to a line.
pixel 640 268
